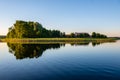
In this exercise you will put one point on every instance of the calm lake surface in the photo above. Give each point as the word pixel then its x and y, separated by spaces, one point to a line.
pixel 83 61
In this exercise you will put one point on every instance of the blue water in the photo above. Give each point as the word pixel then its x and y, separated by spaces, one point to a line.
pixel 60 61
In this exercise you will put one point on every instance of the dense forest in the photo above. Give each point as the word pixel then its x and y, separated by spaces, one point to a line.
pixel 23 29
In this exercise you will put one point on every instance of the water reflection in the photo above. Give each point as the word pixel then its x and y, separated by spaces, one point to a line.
pixel 94 43
pixel 22 51
pixel 80 44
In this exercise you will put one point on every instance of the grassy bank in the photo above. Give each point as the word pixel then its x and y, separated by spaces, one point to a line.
pixel 57 40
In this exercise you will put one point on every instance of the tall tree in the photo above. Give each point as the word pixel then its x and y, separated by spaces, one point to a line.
pixel 23 29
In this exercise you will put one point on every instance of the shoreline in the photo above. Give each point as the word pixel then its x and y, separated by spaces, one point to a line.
pixel 57 40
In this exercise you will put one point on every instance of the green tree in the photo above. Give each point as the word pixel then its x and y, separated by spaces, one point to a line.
pixel 23 29
pixel 83 35
pixel 98 35
pixel 72 35
pixel 93 35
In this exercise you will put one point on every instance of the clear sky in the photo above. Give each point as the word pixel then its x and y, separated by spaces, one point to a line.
pixel 66 15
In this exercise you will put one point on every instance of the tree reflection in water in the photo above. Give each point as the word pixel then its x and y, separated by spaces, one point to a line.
pixel 22 51
pixel 80 44
pixel 95 43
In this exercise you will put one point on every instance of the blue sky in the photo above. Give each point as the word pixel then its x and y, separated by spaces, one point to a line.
pixel 66 15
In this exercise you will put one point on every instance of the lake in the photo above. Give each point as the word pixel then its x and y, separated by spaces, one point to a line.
pixel 75 61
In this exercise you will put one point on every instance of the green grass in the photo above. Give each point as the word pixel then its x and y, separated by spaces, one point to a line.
pixel 56 40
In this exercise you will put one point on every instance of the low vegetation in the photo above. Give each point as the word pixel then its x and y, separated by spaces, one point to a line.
pixel 58 40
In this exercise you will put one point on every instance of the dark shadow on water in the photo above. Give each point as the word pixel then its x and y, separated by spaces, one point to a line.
pixel 22 51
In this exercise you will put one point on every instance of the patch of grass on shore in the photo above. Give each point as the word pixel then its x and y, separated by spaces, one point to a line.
pixel 56 40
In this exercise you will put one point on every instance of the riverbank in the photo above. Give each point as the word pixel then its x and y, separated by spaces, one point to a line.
pixel 56 40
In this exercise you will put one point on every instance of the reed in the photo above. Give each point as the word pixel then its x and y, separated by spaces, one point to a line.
pixel 56 40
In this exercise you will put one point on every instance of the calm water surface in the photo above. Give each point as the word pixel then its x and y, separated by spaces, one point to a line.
pixel 84 61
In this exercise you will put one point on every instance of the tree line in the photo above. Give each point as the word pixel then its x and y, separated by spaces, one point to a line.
pixel 23 29
pixel 86 35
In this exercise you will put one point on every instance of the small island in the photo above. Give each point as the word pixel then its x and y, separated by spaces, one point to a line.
pixel 23 31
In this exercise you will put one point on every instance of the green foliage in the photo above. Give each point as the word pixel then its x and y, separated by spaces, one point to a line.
pixel 55 33
pixel 62 34
pixel 22 29
pixel 98 35
pixel 84 35
pixel 72 35
pixel 93 35
pixel 79 35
